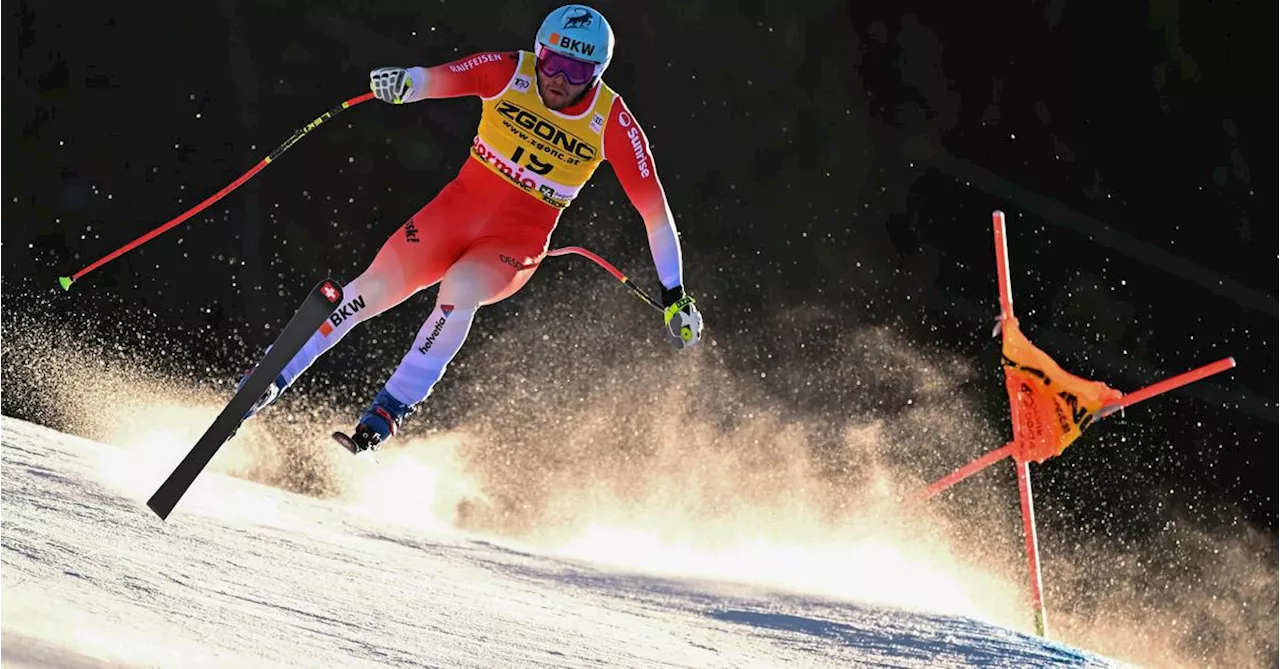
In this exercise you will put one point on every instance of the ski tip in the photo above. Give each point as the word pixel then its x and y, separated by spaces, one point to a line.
pixel 65 282
pixel 331 290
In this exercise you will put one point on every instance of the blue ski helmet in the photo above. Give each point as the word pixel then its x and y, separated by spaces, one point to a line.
pixel 579 32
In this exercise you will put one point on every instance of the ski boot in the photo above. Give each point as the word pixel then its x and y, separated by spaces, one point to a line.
pixel 378 424
pixel 269 396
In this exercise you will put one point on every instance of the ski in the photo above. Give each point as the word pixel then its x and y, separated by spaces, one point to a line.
pixel 317 307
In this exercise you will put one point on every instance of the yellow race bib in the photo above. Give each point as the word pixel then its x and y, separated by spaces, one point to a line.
pixel 546 154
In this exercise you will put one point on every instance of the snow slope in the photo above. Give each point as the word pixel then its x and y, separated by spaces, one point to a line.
pixel 244 575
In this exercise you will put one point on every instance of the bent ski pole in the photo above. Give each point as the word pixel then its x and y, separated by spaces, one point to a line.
pixel 612 270
pixel 66 281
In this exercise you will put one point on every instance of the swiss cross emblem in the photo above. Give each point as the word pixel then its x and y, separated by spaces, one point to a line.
pixel 330 292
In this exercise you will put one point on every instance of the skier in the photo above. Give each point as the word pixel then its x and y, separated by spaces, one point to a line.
pixel 548 120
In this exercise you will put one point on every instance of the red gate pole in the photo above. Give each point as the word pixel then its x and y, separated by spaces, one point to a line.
pixel 1033 545
pixel 965 472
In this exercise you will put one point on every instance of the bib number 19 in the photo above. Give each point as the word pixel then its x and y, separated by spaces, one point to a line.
pixel 534 165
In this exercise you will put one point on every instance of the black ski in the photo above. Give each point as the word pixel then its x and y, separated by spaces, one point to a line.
pixel 310 316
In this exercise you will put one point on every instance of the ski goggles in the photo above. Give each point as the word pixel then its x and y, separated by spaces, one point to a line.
pixel 576 72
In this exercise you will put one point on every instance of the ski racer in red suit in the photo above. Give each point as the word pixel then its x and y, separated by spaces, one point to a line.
pixel 548 120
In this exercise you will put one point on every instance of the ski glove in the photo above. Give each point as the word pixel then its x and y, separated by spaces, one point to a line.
pixel 683 323
pixel 390 84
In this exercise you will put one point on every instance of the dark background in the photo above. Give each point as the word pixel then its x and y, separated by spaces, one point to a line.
pixel 841 155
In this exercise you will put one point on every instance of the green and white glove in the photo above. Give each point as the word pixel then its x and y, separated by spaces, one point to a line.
pixel 683 323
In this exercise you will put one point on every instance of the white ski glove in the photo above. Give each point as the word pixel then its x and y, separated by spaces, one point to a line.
pixel 683 323
pixel 390 84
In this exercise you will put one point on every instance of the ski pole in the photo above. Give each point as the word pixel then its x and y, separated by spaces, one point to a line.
pixel 66 281
pixel 612 270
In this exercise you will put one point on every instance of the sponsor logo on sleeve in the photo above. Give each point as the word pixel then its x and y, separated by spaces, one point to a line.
pixel 475 62
pixel 637 144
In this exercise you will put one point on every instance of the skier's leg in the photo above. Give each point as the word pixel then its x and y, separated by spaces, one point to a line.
pixel 487 273
pixel 413 258
pixel 380 287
